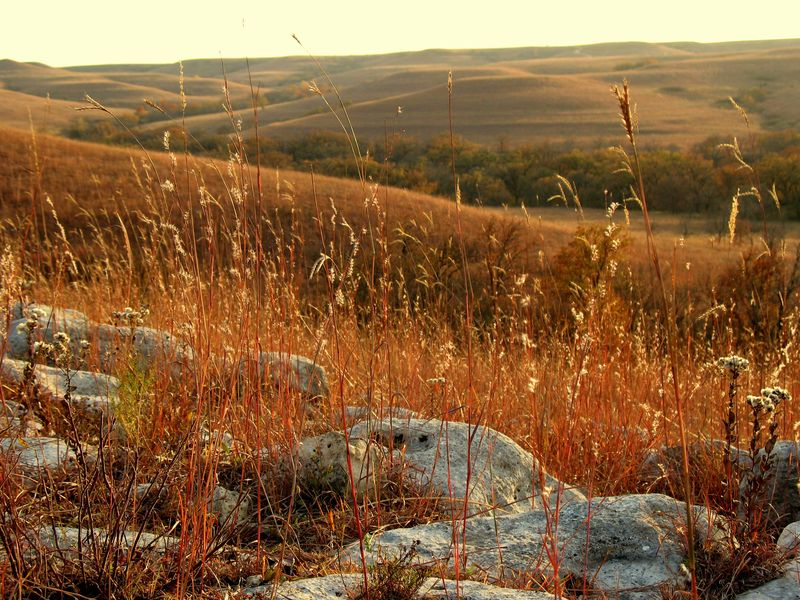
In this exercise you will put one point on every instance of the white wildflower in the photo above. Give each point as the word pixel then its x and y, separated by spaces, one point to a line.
pixel 756 403
pixel 776 395
pixel 61 337
pixel 734 364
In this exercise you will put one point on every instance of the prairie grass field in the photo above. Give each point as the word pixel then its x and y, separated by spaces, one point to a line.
pixel 553 325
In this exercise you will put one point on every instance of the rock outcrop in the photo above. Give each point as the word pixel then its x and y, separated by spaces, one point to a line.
pixel 628 547
pixel 780 497
pixel 34 456
pixel 322 465
pixel 110 346
pixel 297 373
pixel 469 462
pixel 336 587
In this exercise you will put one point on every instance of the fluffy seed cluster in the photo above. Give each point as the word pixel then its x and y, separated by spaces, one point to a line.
pixel 734 364
pixel 59 351
pixel 130 316
pixel 776 395
pixel 769 400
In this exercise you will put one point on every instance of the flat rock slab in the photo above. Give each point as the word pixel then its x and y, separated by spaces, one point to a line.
pixel 37 454
pixel 292 371
pixel 110 346
pixel 144 348
pixel 789 539
pixel 781 495
pixel 337 587
pixel 323 465
pixel 15 420
pixel 460 460
pixel 84 383
pixel 785 588
pixel 355 414
pixel 72 539
pixel 633 547
pixel 50 320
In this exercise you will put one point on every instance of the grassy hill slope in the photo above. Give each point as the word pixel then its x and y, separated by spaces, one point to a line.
pixel 529 95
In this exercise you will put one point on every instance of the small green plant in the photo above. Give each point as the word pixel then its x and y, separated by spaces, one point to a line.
pixel 131 408
pixel 136 385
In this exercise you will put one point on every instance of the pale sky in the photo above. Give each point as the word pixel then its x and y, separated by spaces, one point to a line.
pixel 63 33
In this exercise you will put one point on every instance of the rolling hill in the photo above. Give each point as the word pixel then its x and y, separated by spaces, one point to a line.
pixel 517 95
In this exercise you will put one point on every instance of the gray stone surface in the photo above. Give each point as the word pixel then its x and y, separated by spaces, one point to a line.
pixel 355 414
pixel 322 462
pixel 230 507
pixel 664 464
pixel 789 539
pixel 71 539
pixel 781 495
pixel 21 310
pixel 36 454
pixel 784 588
pixel 336 587
pixel 148 348
pixel 84 383
pixel 779 589
pixel 500 473
pixel 110 346
pixel 634 544
pixel 76 324
pixel 301 374
pixel 15 420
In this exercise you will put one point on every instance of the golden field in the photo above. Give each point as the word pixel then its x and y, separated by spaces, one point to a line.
pixel 556 326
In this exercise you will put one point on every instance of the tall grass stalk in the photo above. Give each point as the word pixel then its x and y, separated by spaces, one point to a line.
pixel 633 165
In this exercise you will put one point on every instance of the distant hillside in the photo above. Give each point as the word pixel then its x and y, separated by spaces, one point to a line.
pixel 92 183
pixel 518 95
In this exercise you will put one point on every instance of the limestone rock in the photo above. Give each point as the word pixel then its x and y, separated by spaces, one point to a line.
pixel 231 508
pixel 788 586
pixel 473 590
pixel 299 373
pixel 323 464
pixel 221 441
pixel 146 347
pixel 150 493
pixel 789 539
pixel 355 414
pixel 15 420
pixel 337 587
pixel 634 546
pixel 51 320
pixel 784 588
pixel 661 467
pixel 110 346
pixel 781 495
pixel 84 383
pixel 37 454
pixel 45 312
pixel 70 539
pixel 500 473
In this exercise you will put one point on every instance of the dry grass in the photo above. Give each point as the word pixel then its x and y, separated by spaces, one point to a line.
pixel 550 334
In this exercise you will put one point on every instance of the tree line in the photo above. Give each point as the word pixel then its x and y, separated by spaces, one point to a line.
pixel 702 178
